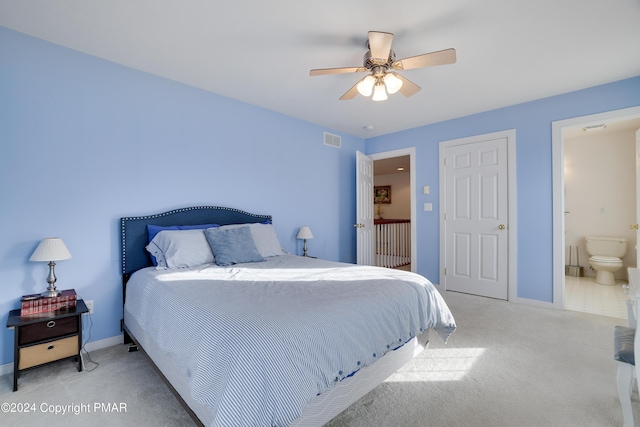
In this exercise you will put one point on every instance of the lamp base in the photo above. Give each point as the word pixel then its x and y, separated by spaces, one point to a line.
pixel 50 293
pixel 51 280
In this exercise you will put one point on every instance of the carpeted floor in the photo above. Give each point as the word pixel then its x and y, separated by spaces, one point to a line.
pixel 121 378
pixel 506 365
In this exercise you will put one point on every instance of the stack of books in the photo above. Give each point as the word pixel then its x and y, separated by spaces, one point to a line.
pixel 37 304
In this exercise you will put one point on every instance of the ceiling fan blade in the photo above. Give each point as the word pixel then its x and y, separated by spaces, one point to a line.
pixel 441 57
pixel 324 71
pixel 351 93
pixel 380 45
pixel 408 88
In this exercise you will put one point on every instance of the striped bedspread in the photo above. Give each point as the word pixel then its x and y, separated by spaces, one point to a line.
pixel 258 341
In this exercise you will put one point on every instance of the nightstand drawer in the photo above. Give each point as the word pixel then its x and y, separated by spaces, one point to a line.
pixel 48 329
pixel 47 352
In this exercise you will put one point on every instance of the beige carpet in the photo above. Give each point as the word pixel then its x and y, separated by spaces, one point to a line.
pixel 121 378
pixel 506 365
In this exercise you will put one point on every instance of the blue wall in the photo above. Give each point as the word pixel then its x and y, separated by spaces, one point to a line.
pixel 85 141
pixel 532 122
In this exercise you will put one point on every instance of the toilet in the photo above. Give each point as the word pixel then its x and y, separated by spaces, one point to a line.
pixel 605 256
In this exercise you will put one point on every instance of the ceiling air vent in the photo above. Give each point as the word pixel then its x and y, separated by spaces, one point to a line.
pixel 332 140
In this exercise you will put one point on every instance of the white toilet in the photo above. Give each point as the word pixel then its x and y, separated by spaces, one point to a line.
pixel 605 254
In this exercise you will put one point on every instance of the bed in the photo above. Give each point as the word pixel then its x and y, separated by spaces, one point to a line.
pixel 255 336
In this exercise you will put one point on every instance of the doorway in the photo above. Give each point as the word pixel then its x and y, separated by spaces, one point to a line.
pixel 563 131
pixel 392 212
pixel 389 155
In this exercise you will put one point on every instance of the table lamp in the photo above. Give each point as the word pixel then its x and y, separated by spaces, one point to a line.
pixel 51 249
pixel 304 234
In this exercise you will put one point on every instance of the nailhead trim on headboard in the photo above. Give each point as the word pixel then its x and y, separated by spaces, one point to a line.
pixel 125 220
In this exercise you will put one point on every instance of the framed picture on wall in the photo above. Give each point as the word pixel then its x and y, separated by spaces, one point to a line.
pixel 382 194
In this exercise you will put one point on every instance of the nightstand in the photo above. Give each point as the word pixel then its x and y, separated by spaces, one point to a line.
pixel 46 338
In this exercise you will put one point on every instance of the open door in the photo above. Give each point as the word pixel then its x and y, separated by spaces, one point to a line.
pixel 364 210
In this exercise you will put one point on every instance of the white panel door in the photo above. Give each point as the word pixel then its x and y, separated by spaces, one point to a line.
pixel 364 210
pixel 476 218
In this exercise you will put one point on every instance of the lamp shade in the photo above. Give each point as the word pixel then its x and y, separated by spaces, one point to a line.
pixel 50 249
pixel 379 92
pixel 392 82
pixel 365 86
pixel 305 233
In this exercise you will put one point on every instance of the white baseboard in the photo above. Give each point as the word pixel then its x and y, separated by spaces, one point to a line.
pixel 107 342
pixel 517 300
pixel 91 346
pixel 533 303
pixel 6 369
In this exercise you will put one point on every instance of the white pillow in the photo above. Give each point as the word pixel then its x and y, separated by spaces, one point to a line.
pixel 266 240
pixel 264 237
pixel 181 248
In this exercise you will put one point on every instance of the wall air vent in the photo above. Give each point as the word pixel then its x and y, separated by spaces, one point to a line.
pixel 332 140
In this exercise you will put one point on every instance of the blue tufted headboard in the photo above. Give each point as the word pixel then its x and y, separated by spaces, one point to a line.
pixel 134 229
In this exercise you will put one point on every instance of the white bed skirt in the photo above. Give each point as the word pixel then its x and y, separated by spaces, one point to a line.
pixel 323 408
pixel 327 405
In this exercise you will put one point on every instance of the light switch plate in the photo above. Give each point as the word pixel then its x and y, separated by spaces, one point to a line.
pixel 426 189
pixel 428 207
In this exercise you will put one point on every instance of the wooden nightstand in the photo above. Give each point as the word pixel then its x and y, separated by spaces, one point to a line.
pixel 46 338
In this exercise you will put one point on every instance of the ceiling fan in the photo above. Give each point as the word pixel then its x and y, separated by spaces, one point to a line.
pixel 380 61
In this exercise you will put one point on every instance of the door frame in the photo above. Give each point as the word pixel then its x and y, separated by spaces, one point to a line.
pixel 411 152
pixel 557 142
pixel 512 258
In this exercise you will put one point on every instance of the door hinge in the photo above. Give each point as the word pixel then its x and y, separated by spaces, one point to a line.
pixel 444 160
pixel 445 271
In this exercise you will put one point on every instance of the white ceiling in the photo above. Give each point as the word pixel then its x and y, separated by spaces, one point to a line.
pixel 260 52
pixel 610 127
pixel 391 165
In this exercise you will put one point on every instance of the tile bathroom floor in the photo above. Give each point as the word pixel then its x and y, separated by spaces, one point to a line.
pixel 585 295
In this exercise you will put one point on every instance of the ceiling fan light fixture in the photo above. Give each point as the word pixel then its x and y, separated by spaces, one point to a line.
pixel 365 86
pixel 379 60
pixel 379 91
pixel 392 82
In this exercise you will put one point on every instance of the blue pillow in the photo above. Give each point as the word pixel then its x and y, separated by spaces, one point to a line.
pixel 152 230
pixel 232 246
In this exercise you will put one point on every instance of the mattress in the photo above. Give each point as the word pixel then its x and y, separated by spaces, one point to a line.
pixel 255 343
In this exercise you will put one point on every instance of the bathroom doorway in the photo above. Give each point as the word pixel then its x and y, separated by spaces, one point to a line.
pixel 595 175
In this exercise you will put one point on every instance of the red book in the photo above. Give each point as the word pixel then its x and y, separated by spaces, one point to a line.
pixel 27 303
pixel 37 304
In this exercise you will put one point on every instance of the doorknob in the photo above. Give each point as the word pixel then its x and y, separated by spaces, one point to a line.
pixel 502 227
pixel 634 226
pixel 358 225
